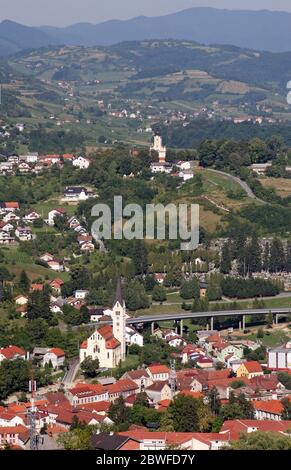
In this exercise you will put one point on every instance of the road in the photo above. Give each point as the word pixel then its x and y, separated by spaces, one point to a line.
pixel 71 373
pixel 239 181
pixel 189 315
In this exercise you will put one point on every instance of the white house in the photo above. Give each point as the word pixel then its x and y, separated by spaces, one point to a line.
pixel 76 193
pixel 31 157
pixel 56 356
pixel 81 162
pixel 81 294
pixel 53 213
pixel 186 175
pixel 24 233
pixel 158 372
pixel 133 337
pixel 31 216
pixel 161 167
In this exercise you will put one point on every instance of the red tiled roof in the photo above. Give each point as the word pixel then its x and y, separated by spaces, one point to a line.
pixel 157 386
pixel 11 205
pixel 82 390
pixel 106 332
pixel 235 427
pixel 253 366
pixel 137 374
pixel 84 345
pixel 38 287
pixel 158 369
pixel 270 406
pixel 11 351
pixel 4 430
pixel 123 385
pixel 189 393
pixel 57 283
pixel 57 351
pixel 99 406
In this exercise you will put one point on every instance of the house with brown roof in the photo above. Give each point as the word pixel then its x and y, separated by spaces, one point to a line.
pixel 140 377
pixel 123 387
pixel 270 409
pixel 159 391
pixel 11 353
pixel 249 369
pixel 55 356
pixel 158 372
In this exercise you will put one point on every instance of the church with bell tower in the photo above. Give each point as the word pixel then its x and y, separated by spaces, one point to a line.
pixel 108 343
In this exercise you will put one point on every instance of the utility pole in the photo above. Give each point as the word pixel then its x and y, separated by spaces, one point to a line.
pixel 31 414
pixel 173 377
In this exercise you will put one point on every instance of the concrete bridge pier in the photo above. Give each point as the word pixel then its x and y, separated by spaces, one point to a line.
pixel 277 318
pixel 239 325
pixel 181 327
pixel 244 322
pixel 212 323
pixel 152 327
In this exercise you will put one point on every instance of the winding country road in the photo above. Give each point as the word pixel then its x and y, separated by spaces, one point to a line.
pixel 239 181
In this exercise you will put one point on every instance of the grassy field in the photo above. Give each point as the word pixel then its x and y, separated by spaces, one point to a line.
pixel 282 186
pixel 16 261
pixel 272 338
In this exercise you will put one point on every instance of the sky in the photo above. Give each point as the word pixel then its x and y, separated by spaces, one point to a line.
pixel 65 12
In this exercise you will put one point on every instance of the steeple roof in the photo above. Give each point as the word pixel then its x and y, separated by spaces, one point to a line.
pixel 118 293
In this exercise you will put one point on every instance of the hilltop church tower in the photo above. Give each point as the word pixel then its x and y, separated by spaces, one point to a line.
pixel 119 319
pixel 159 148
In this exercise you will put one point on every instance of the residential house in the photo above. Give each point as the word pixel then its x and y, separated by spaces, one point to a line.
pixel 249 369
pixel 21 299
pixel 270 409
pixel 56 285
pixel 31 216
pixel 123 387
pixel 24 233
pixel 11 353
pixel 158 391
pixel 81 294
pixel 56 265
pixel 103 441
pixel 133 337
pixel 55 356
pixel 24 167
pixel 140 377
pixel 158 372
pixel 81 162
pixel 11 435
pixel 53 213
pixel 75 193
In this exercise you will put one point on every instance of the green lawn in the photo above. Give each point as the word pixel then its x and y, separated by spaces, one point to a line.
pixel 275 338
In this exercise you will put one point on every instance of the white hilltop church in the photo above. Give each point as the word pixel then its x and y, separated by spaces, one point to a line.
pixel 161 166
pixel 108 344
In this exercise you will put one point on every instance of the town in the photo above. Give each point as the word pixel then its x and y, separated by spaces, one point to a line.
pixel 131 376
pixel 145 232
